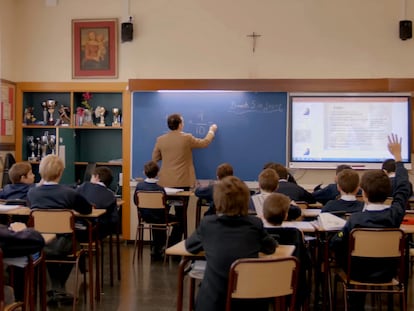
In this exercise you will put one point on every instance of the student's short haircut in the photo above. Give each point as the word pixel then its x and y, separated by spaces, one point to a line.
pixel 342 167
pixel 174 121
pixel 105 174
pixel 275 208
pixel 19 170
pixel 281 170
pixel 274 165
pixel 268 180
pixel 376 185
pixel 389 165
pixel 51 168
pixel 224 170
pixel 151 169
pixel 348 180
pixel 231 196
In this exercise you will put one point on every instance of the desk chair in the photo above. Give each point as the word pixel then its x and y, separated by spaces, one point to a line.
pixel 3 307
pixel 154 200
pixel 202 205
pixel 61 221
pixel 251 278
pixel 371 244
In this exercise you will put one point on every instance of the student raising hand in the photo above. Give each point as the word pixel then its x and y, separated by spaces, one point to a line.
pixel 394 146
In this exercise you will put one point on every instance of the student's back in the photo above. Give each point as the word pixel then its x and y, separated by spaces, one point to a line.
pixel 225 237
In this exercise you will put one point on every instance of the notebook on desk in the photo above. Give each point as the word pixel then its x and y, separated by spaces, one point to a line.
pixel 330 222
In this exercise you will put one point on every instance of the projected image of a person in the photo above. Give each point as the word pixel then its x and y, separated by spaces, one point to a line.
pixel 174 150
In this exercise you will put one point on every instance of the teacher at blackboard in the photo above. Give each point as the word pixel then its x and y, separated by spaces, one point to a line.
pixel 174 150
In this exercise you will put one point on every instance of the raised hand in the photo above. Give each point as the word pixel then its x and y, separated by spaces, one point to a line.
pixel 394 146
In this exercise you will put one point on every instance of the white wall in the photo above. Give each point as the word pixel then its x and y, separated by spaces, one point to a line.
pixel 208 39
pixel 7 39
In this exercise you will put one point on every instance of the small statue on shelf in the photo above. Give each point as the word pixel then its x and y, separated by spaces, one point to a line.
pixel 28 115
pixel 64 115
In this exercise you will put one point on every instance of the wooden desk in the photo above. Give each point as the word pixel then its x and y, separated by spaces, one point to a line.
pixel 180 250
pixel 182 196
pixel 96 213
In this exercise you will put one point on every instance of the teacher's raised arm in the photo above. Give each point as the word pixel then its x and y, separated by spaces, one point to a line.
pixel 174 150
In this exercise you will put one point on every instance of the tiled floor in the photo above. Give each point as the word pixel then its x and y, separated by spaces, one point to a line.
pixel 150 286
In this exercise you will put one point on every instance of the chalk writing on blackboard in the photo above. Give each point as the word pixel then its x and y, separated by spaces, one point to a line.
pixel 254 106
pixel 199 125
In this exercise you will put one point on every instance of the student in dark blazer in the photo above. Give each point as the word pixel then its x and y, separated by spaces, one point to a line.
pixel 206 193
pixel 330 192
pixel 159 236
pixel 97 192
pixel 388 166
pixel 175 151
pixel 22 179
pixel 268 184
pixel 376 187
pixel 51 195
pixel 348 186
pixel 229 235
pixel 292 190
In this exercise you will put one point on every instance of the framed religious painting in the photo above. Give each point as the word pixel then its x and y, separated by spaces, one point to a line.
pixel 7 114
pixel 94 48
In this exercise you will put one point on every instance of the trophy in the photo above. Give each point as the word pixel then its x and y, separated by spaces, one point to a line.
pixel 39 148
pixel 51 105
pixel 32 146
pixel 44 105
pixel 100 112
pixel 51 143
pixel 44 143
pixel 117 117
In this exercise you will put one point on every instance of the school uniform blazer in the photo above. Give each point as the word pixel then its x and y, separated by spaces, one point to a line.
pixel 174 149
pixel 324 195
pixel 15 191
pixel 375 270
pixel 343 206
pixel 55 196
pixel 102 198
pixel 225 239
pixel 295 192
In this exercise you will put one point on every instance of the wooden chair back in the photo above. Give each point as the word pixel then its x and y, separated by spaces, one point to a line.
pixel 263 278
pixel 150 199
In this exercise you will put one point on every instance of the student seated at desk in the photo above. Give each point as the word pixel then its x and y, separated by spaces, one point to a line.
pixel 223 170
pixel 229 235
pixel 330 192
pixel 97 192
pixel 376 187
pixel 292 190
pixel 268 183
pixel 51 195
pixel 388 166
pixel 22 179
pixel 275 212
pixel 158 236
pixel 348 187
pixel 16 240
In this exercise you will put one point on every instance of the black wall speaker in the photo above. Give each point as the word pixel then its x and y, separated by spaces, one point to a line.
pixel 406 29
pixel 127 32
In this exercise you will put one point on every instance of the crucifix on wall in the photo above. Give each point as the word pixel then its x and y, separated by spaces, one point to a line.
pixel 254 37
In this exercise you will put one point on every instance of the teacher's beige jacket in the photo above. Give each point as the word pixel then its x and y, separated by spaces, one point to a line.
pixel 174 149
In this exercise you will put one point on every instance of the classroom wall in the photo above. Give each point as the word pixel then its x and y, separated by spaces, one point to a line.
pixel 208 39
pixel 7 39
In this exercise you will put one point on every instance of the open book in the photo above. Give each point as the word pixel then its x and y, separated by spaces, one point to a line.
pixel 330 222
